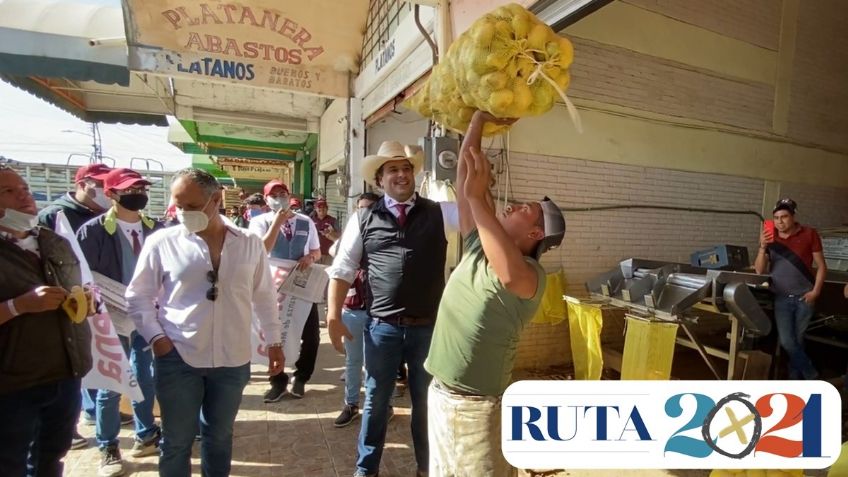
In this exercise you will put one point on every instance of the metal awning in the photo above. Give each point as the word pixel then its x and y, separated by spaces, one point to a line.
pixel 262 43
pixel 63 40
pixel 74 55
pixel 240 141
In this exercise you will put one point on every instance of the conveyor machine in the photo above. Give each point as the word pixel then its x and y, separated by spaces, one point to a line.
pixel 694 298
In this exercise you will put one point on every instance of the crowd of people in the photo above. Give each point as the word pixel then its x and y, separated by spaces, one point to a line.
pixel 199 282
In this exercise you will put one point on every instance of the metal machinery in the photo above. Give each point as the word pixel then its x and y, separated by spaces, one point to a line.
pixel 702 301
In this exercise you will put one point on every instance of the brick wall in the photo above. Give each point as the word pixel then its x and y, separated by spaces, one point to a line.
pixel 619 76
pixel 819 98
pixel 753 21
pixel 597 241
pixel 818 206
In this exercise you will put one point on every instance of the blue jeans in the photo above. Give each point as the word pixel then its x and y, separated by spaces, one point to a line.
pixel 385 346
pixel 37 426
pixel 355 321
pixel 108 402
pixel 89 402
pixel 186 394
pixel 792 316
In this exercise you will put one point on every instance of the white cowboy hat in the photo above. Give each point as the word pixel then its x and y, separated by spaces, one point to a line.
pixel 391 151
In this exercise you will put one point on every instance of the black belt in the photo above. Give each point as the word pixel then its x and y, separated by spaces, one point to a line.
pixel 407 321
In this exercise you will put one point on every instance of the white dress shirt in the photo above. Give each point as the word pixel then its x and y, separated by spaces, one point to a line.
pixel 349 250
pixel 260 224
pixel 128 227
pixel 172 271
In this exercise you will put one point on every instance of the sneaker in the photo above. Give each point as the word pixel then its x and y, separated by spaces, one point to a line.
pixel 361 473
pixel 88 419
pixel 274 394
pixel 298 388
pixel 348 415
pixel 111 464
pixel 127 419
pixel 78 441
pixel 149 446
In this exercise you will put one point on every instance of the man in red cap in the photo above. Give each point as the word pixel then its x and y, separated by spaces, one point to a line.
pixel 291 236
pixel 88 200
pixel 111 244
pixel 327 230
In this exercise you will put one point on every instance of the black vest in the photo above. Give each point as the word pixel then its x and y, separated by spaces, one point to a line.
pixel 406 266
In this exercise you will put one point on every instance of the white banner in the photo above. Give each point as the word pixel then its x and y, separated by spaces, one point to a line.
pixel 111 369
pixel 293 313
pixel 671 424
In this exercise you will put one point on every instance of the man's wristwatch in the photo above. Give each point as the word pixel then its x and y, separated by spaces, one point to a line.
pixel 10 305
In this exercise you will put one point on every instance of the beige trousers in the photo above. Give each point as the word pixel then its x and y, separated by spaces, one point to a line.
pixel 465 435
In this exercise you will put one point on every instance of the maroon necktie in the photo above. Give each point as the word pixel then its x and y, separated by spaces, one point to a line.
pixel 401 210
pixel 136 243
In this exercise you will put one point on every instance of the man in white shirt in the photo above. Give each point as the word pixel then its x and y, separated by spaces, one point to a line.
pixel 288 235
pixel 400 242
pixel 111 244
pixel 208 278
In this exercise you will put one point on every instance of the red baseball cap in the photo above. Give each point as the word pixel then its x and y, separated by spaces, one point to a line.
pixel 120 179
pixel 294 202
pixel 274 183
pixel 320 203
pixel 92 171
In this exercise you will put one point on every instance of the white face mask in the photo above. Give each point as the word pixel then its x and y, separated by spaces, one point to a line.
pixel 100 198
pixel 18 221
pixel 274 204
pixel 194 220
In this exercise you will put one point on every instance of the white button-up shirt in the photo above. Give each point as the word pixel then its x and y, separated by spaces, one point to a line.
pixel 172 271
pixel 349 251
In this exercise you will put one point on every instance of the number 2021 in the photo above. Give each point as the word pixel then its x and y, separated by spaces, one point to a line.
pixel 807 413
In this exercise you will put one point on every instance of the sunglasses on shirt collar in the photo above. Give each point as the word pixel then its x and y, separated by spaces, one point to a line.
pixel 212 293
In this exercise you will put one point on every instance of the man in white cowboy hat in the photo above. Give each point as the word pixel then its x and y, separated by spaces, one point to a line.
pixel 491 295
pixel 400 242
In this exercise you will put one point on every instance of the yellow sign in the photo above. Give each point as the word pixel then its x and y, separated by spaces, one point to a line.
pixel 255 170
pixel 263 43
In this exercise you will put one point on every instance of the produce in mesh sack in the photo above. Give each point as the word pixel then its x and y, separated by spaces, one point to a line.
pixel 756 473
pixel 508 63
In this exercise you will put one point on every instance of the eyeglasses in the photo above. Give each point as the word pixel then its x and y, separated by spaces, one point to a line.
pixel 212 293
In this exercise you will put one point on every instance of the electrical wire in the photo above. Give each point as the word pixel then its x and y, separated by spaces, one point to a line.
pixel 663 207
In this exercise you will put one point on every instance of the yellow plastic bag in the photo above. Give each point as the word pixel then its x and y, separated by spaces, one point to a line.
pixel 584 326
pixel 552 308
pixel 840 467
pixel 648 349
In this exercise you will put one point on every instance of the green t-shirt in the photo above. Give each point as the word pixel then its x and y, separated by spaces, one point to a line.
pixel 479 325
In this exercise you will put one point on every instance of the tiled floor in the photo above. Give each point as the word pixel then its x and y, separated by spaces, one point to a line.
pixel 296 438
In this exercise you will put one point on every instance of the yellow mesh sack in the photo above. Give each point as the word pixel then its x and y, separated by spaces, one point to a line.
pixel 508 63
pixel 648 349
pixel 840 467
pixel 584 326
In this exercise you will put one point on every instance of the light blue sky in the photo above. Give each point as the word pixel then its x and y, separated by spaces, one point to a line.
pixel 32 130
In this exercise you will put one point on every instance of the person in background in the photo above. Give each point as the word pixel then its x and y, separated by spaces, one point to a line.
pixel 238 218
pixel 44 353
pixel 209 280
pixel 291 236
pixel 787 254
pixel 327 230
pixel 490 297
pixel 111 244
pixel 401 243
pixel 295 205
pixel 256 206
pixel 87 201
pixel 354 317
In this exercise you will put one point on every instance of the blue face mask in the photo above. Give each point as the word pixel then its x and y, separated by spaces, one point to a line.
pixel 255 212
